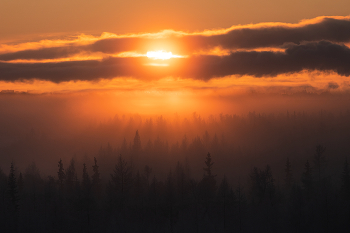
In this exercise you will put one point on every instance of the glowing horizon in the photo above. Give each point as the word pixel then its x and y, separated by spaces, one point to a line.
pixel 218 63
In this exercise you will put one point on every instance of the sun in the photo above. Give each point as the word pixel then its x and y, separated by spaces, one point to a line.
pixel 160 54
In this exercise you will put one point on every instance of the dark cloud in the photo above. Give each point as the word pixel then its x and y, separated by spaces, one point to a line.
pixel 43 53
pixel 333 85
pixel 322 56
pixel 330 29
pixel 107 46
pixel 66 71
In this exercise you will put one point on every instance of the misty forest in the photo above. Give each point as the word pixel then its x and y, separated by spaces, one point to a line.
pixel 286 172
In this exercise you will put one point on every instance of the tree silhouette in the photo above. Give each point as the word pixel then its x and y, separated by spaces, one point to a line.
pixel 20 183
pixel 170 198
pixel 208 182
pixel 137 142
pixel 61 174
pixel 86 179
pixel 13 188
pixel 208 165
pixel 86 185
pixel 307 180
pixel 96 180
pixel 288 175
pixel 262 185
pixel 319 160
pixel 147 172
pixel 122 176
pixel 226 197
pixel 181 181
pixel 154 194
pixel 345 179
pixel 124 147
pixel 138 187
pixel 241 201
pixel 71 176
pixel 33 182
pixel 14 199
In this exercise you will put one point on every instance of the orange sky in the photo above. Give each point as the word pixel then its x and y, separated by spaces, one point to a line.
pixel 221 50
pixel 43 18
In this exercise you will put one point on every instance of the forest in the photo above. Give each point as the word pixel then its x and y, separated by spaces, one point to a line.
pixel 251 173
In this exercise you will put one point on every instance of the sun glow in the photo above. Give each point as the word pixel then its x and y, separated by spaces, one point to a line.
pixel 161 54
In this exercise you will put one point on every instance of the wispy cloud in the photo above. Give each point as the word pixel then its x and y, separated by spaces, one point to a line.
pixel 322 56
pixel 260 50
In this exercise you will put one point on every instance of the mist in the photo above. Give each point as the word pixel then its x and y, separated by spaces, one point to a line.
pixel 42 128
pixel 51 142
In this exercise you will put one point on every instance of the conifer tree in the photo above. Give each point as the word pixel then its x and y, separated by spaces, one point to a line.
pixel 3 188
pixel 269 184
pixel 122 176
pixel 288 175
pixel 61 174
pixel 307 179
pixel 241 203
pixel 124 147
pixel 181 180
pixel 208 165
pixel 208 183
pixel 71 176
pixel 137 142
pixel 96 175
pixel 223 197
pixel 86 179
pixel 170 199
pixel 138 188
pixel 345 178
pixel 319 160
pixel 13 188
pixel 262 185
pixel 147 172
pixel 86 184
pixel 154 194
pixel 20 183
pixel 14 200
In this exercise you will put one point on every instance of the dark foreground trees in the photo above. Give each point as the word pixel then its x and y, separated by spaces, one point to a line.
pixel 78 199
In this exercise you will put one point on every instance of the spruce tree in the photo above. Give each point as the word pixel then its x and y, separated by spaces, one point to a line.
pixel 86 185
pixel 71 176
pixel 13 188
pixel 307 180
pixel 345 178
pixel 208 165
pixel 61 174
pixel 147 172
pixel 208 183
pixel 319 160
pixel 223 196
pixel 122 176
pixel 137 142
pixel 288 175
pixel 13 209
pixel 86 179
pixel 96 180
pixel 20 183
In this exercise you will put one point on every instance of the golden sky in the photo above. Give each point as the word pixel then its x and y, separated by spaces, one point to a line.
pixel 40 17
pixel 206 50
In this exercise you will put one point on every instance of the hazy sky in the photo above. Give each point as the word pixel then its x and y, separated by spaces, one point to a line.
pixel 220 50
pixel 34 18
pixel 67 63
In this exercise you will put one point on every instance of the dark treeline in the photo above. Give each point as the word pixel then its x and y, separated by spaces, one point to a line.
pixel 254 173
pixel 235 141
pixel 137 200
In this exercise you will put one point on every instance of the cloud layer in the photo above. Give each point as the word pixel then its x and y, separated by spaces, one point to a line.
pixel 317 44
